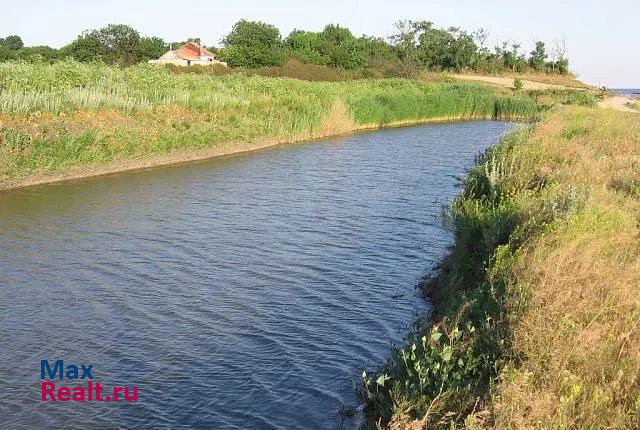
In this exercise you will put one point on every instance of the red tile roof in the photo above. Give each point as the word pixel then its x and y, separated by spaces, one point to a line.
pixel 192 51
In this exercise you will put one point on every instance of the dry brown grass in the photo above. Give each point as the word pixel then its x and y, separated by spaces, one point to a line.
pixel 531 81
pixel 437 77
pixel 339 120
pixel 565 80
pixel 578 339
pixel 544 285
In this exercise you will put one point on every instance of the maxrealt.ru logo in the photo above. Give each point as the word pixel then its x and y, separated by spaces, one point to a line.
pixel 89 391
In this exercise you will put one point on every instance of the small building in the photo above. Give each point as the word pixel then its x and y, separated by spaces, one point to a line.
pixel 189 54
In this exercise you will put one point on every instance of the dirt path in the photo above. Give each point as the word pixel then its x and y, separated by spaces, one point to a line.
pixel 618 103
pixel 508 82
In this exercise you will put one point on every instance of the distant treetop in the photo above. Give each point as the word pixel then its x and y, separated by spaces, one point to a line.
pixel 415 46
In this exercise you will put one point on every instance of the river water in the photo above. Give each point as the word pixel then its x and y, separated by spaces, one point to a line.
pixel 235 293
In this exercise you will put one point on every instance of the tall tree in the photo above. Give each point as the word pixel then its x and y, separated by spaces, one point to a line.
pixel 559 62
pixel 538 56
pixel 253 34
pixel 115 44
pixel 436 48
pixel 480 36
pixel 464 49
pixel 306 46
pixel 405 41
pixel 85 48
pixel 253 44
pixel 338 47
pixel 150 48
pixel 120 43
pixel 342 48
pixel 12 42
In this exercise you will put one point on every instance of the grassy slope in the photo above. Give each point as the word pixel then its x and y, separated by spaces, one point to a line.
pixel 538 304
pixel 69 116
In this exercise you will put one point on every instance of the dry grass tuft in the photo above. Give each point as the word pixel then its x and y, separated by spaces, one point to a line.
pixel 339 120
pixel 578 339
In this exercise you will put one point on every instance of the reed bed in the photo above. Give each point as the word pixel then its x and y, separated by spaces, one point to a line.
pixel 157 111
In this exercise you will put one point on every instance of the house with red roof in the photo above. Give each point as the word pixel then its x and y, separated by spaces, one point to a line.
pixel 189 54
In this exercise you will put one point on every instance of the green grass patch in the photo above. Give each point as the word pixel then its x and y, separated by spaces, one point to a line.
pixel 159 111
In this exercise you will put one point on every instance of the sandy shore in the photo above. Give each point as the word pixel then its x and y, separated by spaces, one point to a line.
pixel 619 103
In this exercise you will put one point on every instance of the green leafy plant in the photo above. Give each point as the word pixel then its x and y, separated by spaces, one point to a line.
pixel 518 84
pixel 15 140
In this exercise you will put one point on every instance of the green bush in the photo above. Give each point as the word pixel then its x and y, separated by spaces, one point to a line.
pixel 249 57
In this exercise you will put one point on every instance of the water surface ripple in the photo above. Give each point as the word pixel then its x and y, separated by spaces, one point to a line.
pixel 240 292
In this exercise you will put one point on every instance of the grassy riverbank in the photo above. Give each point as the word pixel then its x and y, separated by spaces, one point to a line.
pixel 76 119
pixel 537 307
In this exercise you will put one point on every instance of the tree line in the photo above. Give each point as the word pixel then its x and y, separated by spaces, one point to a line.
pixel 415 45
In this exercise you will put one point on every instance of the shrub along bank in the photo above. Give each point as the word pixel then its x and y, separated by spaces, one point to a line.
pixel 71 117
pixel 537 306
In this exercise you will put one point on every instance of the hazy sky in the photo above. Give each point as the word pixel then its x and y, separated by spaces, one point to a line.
pixel 603 37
